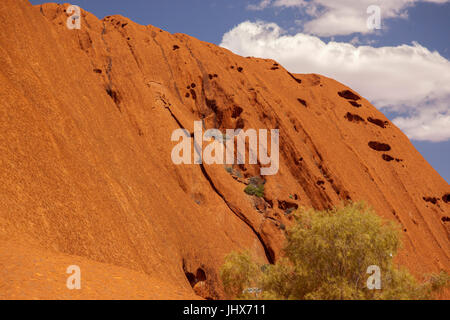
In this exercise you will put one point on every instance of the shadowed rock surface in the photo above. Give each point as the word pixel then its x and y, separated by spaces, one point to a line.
pixel 86 176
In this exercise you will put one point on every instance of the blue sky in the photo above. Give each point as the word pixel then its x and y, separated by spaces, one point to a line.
pixel 410 84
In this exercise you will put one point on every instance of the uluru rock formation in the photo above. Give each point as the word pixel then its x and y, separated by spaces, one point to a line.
pixel 86 176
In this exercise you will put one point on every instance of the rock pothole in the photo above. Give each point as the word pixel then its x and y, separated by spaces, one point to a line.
pixel 378 122
pixel 200 275
pixel 353 117
pixel 432 200
pixel 446 198
pixel 303 102
pixel 379 146
pixel 355 104
pixel 349 95
pixel 236 112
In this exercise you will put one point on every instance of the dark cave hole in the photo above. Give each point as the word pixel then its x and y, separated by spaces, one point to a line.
pixel 347 94
pixel 303 102
pixel 355 104
pixel 353 117
pixel 378 146
pixel 377 122
pixel 236 112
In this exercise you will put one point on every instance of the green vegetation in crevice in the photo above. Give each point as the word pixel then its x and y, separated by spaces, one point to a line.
pixel 255 187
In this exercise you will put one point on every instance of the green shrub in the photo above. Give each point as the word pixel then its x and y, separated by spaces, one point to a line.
pixel 255 187
pixel 326 257
pixel 255 190
pixel 238 274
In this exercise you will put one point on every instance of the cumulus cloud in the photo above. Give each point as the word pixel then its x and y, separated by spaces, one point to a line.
pixel 343 17
pixel 431 123
pixel 407 79
pixel 260 6
pixel 289 3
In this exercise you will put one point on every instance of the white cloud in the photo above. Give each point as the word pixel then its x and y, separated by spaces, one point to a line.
pixel 260 6
pixel 430 124
pixel 408 79
pixel 343 17
pixel 289 3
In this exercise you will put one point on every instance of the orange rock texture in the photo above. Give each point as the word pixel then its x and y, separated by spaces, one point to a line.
pixel 86 176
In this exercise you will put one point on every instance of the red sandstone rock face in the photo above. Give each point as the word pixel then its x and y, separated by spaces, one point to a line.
pixel 86 172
